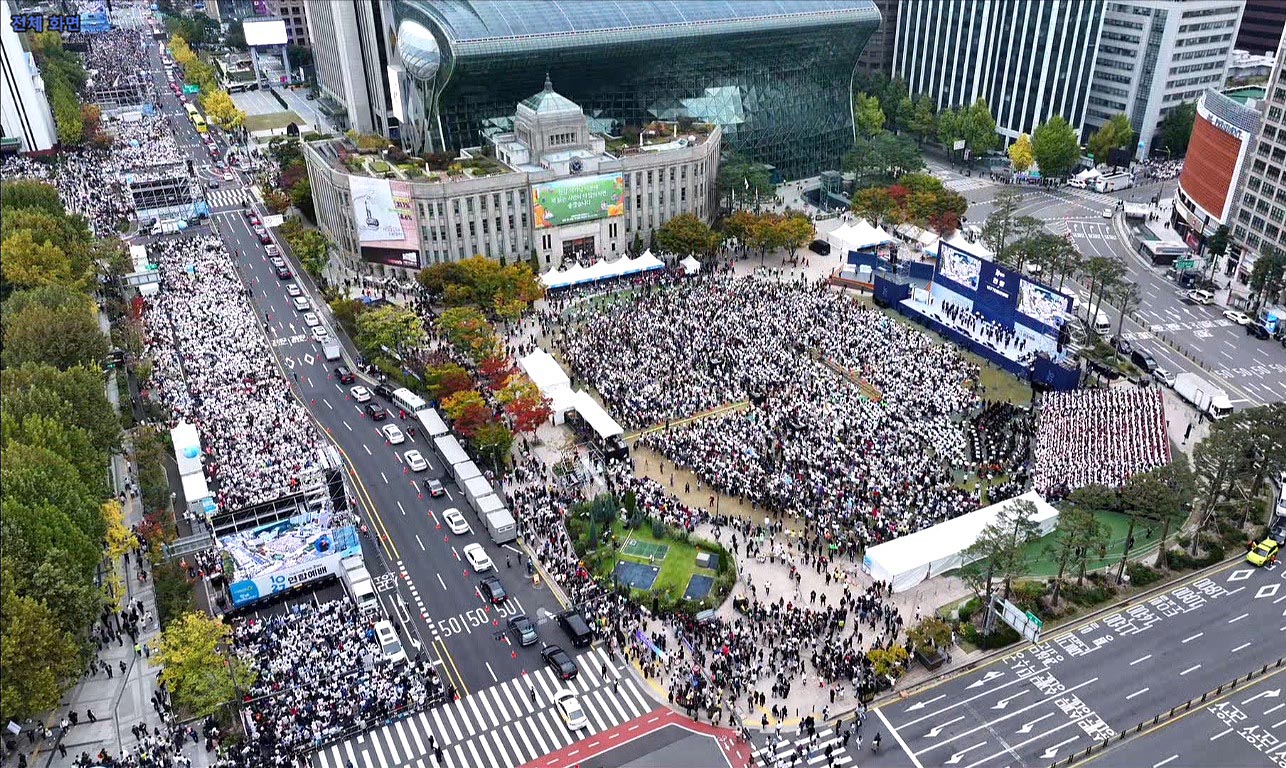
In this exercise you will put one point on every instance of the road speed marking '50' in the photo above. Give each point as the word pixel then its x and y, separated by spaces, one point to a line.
pixel 465 623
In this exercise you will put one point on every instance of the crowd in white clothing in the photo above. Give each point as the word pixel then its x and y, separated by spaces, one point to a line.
pixel 213 368
pixel 812 443
pixel 1093 436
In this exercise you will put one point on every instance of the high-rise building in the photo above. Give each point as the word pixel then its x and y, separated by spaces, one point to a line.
pixel 294 13
pixel 1154 55
pixel 775 75
pixel 1259 218
pixel 1028 60
pixel 1261 26
pixel 877 58
pixel 25 117
pixel 350 42
pixel 1222 135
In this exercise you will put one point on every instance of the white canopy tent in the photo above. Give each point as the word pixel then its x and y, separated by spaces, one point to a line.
pixel 911 559
pixel 543 370
pixel 597 418
pixel 858 235
pixel 958 241
pixel 187 448
pixel 600 270
pixel 690 265
pixel 195 488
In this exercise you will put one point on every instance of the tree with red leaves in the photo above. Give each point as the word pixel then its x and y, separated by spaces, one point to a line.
pixel 496 370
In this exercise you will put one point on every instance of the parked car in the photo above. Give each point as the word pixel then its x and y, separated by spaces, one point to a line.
pixel 1240 318
pixel 1199 297
pixel 1258 331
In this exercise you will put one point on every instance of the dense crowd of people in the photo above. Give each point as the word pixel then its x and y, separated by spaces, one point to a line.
pixel 116 63
pixel 212 368
pixel 321 673
pixel 1093 436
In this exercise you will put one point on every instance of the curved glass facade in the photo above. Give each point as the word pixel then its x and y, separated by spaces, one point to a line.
pixel 774 74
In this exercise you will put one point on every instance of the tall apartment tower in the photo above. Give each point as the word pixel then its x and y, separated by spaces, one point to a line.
pixel 1261 26
pixel 1154 55
pixel 1029 60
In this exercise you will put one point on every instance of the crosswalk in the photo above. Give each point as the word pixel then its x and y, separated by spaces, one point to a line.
pixel 967 184
pixel 781 754
pixel 501 726
pixel 225 198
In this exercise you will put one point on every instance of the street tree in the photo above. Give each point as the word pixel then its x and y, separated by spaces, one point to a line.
pixel 794 231
pixel 1154 497
pixel 53 324
pixel 978 128
pixel 391 327
pixel 495 370
pixel 1175 129
pixel 998 230
pixel 29 193
pixel 875 204
pixel 1020 153
pixel 468 331
pixel 1103 273
pixel 39 658
pixel 997 555
pixel 1126 295
pixel 868 117
pixel 1078 537
pixel 1267 276
pixel 493 442
pixel 1116 133
pixel 1055 148
pixel 923 120
pixel 1219 461
pixel 1217 247
pixel 73 397
pixel 686 235
pixel 950 128
pixel 222 111
pixel 198 666
pixel 445 380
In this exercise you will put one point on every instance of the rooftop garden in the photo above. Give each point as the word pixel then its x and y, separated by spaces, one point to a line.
pixel 656 133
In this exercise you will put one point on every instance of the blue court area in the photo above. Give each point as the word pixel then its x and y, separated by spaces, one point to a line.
pixel 636 575
pixel 698 587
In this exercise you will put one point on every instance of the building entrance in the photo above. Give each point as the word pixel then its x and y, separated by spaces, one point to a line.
pixel 581 247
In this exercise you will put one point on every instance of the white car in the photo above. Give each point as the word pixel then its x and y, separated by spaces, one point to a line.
pixel 311 319
pixel 294 290
pixel 415 461
pixel 393 434
pixel 301 304
pixel 1163 376
pixel 1109 213
pixel 570 710
pixel 456 521
pixel 1240 318
pixel 390 644
pixel 320 334
pixel 276 261
pixel 228 176
pixel 273 250
pixel 360 394
pixel 477 557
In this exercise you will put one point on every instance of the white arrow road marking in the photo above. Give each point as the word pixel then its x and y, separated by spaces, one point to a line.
pixel 922 704
pixel 1027 726
pixel 963 702
pixel 935 730
pixel 1047 754
pixel 985 679
pixel 1012 749
pixel 957 756
pixel 1002 718
pixel 1005 702
pixel 1265 695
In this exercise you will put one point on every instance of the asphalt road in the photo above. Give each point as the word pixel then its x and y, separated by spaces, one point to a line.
pixel 1094 680
pixel 1181 337
pixel 1244 728
pixel 433 592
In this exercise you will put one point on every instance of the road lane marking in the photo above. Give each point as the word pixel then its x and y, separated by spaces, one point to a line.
pixel 350 429
pixel 1169 759
pixel 1239 618
pixel 1015 713
pixel 1221 734
pixel 328 405
pixel 1141 659
pixel 384 476
pixel 1194 637
pixel 494 679
pixel 403 511
pixel 1190 669
pixel 417 541
pixel 1139 692
pixel 440 581
pixel 963 702
pixel 1242 647
pixel 368 449
pixel 898 738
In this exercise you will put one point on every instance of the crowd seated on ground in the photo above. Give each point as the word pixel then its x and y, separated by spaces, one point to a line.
pixel 212 367
pixel 321 674
pixel 1093 436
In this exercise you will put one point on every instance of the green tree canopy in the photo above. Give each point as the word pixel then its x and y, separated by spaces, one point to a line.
pixel 1055 148
pixel 868 116
pixel 482 283
pixel 1020 153
pixel 1176 129
pixel 686 235
pixel 1116 133
pixel 200 672
pixel 38 656
pixel 391 327
pixel 52 324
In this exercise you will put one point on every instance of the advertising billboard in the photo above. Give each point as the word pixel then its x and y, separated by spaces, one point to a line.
pixel 569 201
pixel 266 32
pixel 383 213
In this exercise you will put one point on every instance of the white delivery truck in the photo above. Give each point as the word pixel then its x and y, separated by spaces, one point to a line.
pixel 332 350
pixel 499 521
pixel 476 488
pixel 357 580
pixel 1203 395
pixel 1112 182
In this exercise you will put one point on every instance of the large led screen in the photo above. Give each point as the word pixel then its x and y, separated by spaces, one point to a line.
pixel 569 201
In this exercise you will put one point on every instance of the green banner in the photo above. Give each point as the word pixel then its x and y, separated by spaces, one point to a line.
pixel 571 200
pixel 191 89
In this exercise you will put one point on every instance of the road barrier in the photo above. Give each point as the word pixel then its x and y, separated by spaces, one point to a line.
pixel 1163 717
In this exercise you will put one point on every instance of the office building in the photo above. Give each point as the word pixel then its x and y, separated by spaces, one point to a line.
pixel 1028 60
pixel 551 189
pixel 1154 55
pixel 350 42
pixel 1259 218
pixel 25 117
pixel 294 13
pixel 775 75
pixel 1261 26
pixel 877 58
pixel 1221 138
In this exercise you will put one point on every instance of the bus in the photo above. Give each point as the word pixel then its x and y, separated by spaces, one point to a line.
pixel 198 123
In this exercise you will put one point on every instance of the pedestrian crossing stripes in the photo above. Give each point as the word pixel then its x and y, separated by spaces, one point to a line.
pixel 967 184
pixel 225 198
pixel 506 725
pixel 803 751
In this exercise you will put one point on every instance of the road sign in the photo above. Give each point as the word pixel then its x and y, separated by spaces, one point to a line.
pixel 1183 264
pixel 958 145
pixel 1034 619
pixel 1021 621
pixel 190 89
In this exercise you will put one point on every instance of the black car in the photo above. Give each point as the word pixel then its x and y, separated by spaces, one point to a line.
pixel 283 273
pixel 1122 346
pixel 493 590
pixel 820 247
pixel 1143 359
pixel 375 411
pixel 522 629
pixel 344 375
pixel 557 659
pixel 383 390
pixel 1258 331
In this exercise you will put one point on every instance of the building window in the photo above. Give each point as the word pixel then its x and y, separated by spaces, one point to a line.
pixel 473 231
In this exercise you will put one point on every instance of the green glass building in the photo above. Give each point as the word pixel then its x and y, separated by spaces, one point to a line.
pixel 775 75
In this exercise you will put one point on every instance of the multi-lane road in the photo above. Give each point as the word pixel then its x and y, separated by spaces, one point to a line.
pixel 430 588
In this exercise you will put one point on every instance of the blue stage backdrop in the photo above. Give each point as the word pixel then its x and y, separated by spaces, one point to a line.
pixel 1001 294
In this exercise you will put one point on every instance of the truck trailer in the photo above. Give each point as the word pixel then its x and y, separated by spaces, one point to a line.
pixel 1204 396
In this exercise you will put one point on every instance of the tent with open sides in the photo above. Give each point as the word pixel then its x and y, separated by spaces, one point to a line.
pixel 690 266
pixel 911 559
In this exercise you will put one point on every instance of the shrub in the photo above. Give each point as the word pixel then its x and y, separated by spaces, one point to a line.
pixel 174 596
pixel 658 529
pixel 1141 575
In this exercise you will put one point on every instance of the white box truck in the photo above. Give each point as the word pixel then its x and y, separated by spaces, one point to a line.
pixel 476 488
pixel 499 521
pixel 450 450
pixel 432 422
pixel 1203 395
pixel 464 472
pixel 332 350
pixel 1113 182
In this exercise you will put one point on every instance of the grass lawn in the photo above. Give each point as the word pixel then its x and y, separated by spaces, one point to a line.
pixel 272 121
pixel 679 564
pixel 1041 563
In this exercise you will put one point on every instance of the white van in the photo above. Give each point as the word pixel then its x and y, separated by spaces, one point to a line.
pixel 365 597
pixel 1102 325
pixel 408 401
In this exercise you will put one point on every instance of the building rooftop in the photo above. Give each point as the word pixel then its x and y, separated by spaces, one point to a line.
pixel 549 102
pixel 1246 93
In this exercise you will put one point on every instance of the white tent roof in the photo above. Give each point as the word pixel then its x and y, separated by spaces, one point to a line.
pixel 596 417
pixel 690 265
pixel 958 241
pixel 187 448
pixel 911 559
pixel 195 488
pixel 543 370
pixel 858 235
pixel 600 270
